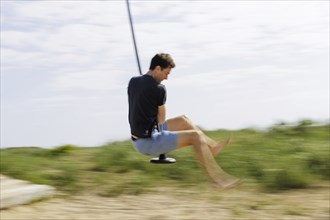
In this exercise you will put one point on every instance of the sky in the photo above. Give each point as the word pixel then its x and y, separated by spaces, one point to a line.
pixel 65 65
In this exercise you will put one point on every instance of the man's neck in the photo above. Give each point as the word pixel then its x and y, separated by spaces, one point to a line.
pixel 153 75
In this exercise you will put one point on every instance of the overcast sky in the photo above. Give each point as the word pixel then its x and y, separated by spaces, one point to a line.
pixel 65 65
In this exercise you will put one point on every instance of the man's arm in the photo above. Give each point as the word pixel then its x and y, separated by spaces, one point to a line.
pixel 161 114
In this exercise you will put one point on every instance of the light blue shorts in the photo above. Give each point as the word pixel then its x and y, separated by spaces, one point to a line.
pixel 160 142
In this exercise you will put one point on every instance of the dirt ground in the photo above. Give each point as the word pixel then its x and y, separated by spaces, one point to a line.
pixel 165 204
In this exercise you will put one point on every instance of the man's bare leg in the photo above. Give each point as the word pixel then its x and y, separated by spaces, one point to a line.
pixel 183 123
pixel 204 156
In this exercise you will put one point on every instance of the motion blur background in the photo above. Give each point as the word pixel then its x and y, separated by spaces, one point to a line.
pixel 65 65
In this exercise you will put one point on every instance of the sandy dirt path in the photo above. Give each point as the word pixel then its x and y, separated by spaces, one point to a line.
pixel 180 204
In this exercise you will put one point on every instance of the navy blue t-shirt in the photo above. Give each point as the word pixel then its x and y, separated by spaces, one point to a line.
pixel 145 95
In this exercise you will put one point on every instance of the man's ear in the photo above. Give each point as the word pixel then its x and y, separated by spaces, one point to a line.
pixel 158 68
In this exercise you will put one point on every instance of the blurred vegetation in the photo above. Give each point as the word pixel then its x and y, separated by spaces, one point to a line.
pixel 285 156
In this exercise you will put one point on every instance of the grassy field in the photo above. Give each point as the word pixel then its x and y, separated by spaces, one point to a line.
pixel 283 157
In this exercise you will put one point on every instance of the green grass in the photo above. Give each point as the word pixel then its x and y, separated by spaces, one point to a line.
pixel 283 157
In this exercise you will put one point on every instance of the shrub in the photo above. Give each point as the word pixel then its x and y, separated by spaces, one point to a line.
pixel 65 179
pixel 256 170
pixel 284 179
pixel 61 150
pixel 319 164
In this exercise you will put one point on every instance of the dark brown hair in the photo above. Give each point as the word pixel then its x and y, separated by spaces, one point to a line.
pixel 163 60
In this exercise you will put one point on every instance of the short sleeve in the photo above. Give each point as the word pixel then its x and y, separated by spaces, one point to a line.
pixel 161 95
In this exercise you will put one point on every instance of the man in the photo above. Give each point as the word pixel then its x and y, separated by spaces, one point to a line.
pixel 147 97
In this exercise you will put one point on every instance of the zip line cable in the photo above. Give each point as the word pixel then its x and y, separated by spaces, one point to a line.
pixel 133 36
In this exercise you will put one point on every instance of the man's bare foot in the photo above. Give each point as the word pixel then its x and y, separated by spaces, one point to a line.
pixel 216 150
pixel 229 185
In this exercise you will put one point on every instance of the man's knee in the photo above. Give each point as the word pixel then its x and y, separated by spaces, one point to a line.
pixel 198 138
pixel 185 119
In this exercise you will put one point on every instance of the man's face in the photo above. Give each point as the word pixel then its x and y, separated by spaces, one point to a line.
pixel 163 73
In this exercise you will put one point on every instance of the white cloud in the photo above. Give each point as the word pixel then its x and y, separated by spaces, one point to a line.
pixel 88 80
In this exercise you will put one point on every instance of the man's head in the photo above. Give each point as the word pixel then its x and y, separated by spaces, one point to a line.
pixel 163 60
pixel 161 65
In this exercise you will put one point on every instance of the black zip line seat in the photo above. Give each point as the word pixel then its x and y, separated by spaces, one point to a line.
pixel 162 159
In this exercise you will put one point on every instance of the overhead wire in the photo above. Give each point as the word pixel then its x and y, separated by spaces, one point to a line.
pixel 133 36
